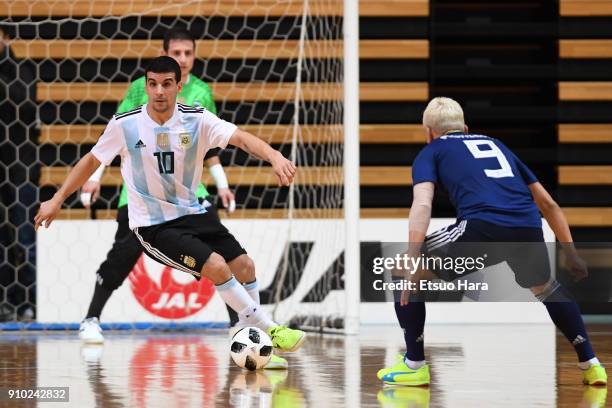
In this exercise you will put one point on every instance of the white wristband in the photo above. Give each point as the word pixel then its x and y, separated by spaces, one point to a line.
pixel 86 199
pixel 97 175
pixel 216 170
pixel 232 206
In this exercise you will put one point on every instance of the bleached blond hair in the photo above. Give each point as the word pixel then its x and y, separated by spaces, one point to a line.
pixel 443 114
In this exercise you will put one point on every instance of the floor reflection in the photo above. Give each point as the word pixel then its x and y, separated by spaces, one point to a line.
pixel 103 394
pixel 471 365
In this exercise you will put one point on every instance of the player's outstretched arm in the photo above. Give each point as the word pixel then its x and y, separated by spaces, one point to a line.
pixel 283 169
pixel 134 97
pixel 76 178
pixel 558 223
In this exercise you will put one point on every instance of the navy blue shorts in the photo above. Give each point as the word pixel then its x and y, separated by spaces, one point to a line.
pixel 522 247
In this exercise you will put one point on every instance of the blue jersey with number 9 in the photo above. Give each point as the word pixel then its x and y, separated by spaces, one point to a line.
pixel 484 179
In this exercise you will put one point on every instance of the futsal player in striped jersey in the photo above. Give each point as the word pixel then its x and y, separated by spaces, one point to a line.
pixel 498 199
pixel 179 44
pixel 162 146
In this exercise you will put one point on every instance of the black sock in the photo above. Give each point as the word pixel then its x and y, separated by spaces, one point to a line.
pixel 411 318
pixel 232 315
pixel 99 299
pixel 565 313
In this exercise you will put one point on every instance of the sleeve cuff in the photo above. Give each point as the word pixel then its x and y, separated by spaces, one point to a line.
pixel 99 157
pixel 231 129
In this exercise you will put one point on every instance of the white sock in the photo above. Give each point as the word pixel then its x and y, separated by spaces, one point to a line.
pixel 235 295
pixel 585 365
pixel 415 365
pixel 255 316
pixel 253 290
pixel 249 312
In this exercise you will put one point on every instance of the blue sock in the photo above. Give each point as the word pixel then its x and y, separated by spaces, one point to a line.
pixel 565 313
pixel 411 318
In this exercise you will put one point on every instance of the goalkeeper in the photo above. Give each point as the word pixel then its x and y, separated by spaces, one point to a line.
pixel 180 45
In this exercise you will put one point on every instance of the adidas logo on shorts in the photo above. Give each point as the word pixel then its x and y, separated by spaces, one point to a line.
pixel 139 144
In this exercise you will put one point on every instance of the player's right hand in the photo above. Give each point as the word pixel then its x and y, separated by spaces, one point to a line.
pixel 47 213
pixel 284 170
pixel 577 266
pixel 89 193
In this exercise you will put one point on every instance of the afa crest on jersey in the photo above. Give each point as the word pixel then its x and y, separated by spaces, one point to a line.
pixel 185 140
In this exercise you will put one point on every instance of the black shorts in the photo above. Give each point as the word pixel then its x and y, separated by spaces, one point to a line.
pixel 523 248
pixel 186 243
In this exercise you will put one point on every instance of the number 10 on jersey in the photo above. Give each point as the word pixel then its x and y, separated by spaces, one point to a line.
pixel 165 162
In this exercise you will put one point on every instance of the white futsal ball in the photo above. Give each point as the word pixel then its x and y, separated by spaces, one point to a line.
pixel 251 348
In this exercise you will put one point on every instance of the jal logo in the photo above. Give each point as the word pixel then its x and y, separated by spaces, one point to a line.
pixel 168 293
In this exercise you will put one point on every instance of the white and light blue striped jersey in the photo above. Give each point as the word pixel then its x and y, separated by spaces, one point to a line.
pixel 162 164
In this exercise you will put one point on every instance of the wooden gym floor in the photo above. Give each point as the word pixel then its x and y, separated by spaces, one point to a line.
pixel 472 366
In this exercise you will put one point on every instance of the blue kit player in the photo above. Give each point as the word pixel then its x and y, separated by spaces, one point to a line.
pixel 498 199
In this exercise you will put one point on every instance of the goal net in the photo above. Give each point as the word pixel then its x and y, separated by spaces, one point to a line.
pixel 275 69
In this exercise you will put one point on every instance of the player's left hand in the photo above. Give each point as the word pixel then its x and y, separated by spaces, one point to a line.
pixel 227 199
pixel 577 266
pixel 284 170
pixel 413 276
pixel 410 277
pixel 405 297
pixel 47 213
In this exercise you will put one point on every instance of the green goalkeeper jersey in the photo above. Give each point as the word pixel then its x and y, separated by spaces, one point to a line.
pixel 195 93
